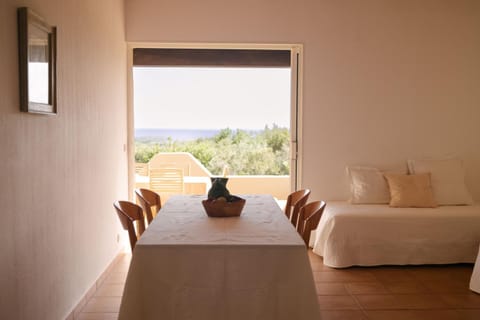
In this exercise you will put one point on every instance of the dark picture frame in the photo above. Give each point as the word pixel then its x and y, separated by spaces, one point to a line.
pixel 37 53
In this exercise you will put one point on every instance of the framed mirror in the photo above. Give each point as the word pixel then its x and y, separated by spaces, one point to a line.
pixel 37 63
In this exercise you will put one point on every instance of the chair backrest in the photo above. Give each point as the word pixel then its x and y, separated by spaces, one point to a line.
pixel 129 212
pixel 181 160
pixel 166 180
pixel 295 201
pixel 141 169
pixel 185 166
pixel 148 199
pixel 308 219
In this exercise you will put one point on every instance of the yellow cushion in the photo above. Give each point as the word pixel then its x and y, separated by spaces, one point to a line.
pixel 410 190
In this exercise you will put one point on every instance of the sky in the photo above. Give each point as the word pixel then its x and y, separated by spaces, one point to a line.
pixel 211 98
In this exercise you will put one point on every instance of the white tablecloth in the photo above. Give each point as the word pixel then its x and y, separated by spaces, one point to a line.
pixel 190 266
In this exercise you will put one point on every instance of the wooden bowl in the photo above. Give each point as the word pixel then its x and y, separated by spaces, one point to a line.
pixel 218 208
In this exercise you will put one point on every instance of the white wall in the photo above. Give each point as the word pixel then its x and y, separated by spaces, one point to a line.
pixel 383 80
pixel 60 174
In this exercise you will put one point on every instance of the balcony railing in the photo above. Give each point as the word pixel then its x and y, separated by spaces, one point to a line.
pixel 196 177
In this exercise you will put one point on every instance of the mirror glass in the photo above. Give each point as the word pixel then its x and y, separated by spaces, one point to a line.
pixel 38 59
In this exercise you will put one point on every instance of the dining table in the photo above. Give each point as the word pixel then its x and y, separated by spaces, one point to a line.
pixel 187 265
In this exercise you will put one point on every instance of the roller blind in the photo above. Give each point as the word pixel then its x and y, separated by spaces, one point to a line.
pixel 211 57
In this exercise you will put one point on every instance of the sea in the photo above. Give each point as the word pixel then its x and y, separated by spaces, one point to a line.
pixel 180 134
pixel 174 134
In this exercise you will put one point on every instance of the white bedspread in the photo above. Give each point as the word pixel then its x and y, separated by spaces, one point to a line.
pixel 366 235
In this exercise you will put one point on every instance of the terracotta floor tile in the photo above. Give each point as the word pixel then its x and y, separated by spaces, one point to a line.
pixel 389 314
pixel 342 315
pixel 420 301
pixel 470 300
pixel 461 272
pixel 343 276
pixel 316 262
pixel 469 314
pixel 412 315
pixel 79 307
pixel 365 288
pixel 393 275
pixel 102 304
pixel 110 290
pixel 378 302
pixel 435 314
pixel 337 303
pixel 126 255
pixel 124 260
pixel 121 267
pixel 101 279
pixel 98 316
pixel 430 273
pixel 405 287
pixel 319 266
pixel 447 286
pixel 115 278
pixel 332 289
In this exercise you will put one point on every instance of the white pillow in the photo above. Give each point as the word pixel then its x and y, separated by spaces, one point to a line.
pixel 368 186
pixel 448 180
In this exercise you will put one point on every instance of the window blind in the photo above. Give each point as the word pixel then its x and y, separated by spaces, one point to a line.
pixel 211 57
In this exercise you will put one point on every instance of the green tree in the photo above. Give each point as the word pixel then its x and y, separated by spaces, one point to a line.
pixel 245 153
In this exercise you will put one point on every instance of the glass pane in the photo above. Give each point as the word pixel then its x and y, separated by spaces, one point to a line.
pixel 37 65
pixel 231 119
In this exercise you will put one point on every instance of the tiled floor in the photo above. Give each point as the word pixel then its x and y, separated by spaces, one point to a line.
pixel 375 293
pixel 395 292
pixel 105 303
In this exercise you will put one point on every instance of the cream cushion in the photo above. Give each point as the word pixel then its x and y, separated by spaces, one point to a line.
pixel 410 190
pixel 448 180
pixel 367 186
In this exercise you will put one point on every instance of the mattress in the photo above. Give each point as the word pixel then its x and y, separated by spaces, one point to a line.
pixel 368 235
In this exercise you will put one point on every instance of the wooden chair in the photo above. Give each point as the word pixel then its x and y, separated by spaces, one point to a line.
pixel 141 169
pixel 180 165
pixel 148 199
pixel 308 219
pixel 295 201
pixel 166 180
pixel 129 212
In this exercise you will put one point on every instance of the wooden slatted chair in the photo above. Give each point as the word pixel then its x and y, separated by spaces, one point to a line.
pixel 166 180
pixel 129 212
pixel 308 219
pixel 295 201
pixel 148 200
pixel 141 169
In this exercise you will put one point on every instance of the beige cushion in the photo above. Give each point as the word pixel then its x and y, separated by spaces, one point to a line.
pixel 367 185
pixel 410 190
pixel 448 180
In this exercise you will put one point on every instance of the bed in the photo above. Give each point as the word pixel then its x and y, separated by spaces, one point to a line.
pixel 376 234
